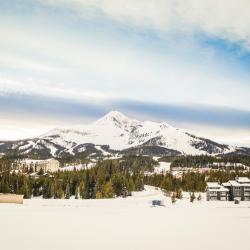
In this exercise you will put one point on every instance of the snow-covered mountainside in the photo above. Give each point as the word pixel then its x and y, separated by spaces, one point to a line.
pixel 116 133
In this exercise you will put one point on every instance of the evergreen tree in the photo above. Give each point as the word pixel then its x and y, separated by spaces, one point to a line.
pixel 179 194
pixel 58 193
pixel 77 192
pixel 40 172
pixel 108 190
pixel 48 189
pixel 192 197
pixel 199 198
pixel 131 186
pixel 173 197
pixel 25 189
pixel 81 190
pixel 67 191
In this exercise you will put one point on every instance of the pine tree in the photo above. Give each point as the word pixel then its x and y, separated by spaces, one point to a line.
pixel 58 193
pixel 40 172
pixel 77 192
pixel 25 190
pixel 99 195
pixel 131 186
pixel 4 187
pixel 67 191
pixel 108 190
pixel 48 189
pixel 81 190
pixel 192 197
pixel 173 198
pixel 179 194
pixel 199 198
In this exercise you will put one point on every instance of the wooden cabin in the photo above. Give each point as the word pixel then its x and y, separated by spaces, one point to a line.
pixel 11 198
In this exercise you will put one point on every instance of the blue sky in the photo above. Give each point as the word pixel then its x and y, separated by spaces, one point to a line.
pixel 67 62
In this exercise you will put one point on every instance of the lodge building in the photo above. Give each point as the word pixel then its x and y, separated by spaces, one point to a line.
pixel 231 190
pixel 48 165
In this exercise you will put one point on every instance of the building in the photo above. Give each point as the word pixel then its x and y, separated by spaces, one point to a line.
pixel 11 198
pixel 227 165
pixel 216 192
pixel 178 172
pixel 239 188
pixel 231 190
pixel 48 165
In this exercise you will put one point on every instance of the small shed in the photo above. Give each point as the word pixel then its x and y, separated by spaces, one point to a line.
pixel 11 198
pixel 158 203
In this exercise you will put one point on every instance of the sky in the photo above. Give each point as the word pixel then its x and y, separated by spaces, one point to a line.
pixel 187 63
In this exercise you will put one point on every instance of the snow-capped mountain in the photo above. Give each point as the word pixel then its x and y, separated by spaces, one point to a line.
pixel 114 133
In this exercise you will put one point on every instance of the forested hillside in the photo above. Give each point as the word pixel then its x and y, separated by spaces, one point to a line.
pixel 191 181
pixel 108 179
pixel 111 178
pixel 206 160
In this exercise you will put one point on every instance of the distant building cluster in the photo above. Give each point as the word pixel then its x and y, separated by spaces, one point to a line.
pixel 48 165
pixel 227 165
pixel 178 172
pixel 231 190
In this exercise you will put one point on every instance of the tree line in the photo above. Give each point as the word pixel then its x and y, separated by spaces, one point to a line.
pixel 191 181
pixel 206 160
pixel 107 179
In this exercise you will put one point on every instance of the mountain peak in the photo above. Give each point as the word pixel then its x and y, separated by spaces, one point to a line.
pixel 116 114
pixel 114 117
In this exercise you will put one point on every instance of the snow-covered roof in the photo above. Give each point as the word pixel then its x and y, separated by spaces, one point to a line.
pixel 223 189
pixel 235 183
pixel 29 161
pixel 239 182
pixel 226 184
pixel 227 164
pixel 243 179
pixel 213 185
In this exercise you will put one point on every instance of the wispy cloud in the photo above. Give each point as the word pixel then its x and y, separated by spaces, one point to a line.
pixel 64 109
pixel 225 19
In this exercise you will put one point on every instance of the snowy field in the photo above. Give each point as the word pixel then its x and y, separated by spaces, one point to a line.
pixel 163 167
pixel 131 224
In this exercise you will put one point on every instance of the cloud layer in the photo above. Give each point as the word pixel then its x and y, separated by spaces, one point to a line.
pixel 64 109
pixel 228 19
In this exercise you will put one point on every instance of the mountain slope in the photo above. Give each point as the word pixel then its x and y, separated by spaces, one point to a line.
pixel 117 133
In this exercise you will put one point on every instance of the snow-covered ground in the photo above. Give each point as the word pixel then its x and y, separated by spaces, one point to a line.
pixel 78 167
pixel 163 167
pixel 131 224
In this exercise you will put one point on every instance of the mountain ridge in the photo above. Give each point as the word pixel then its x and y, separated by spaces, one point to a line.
pixel 117 133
